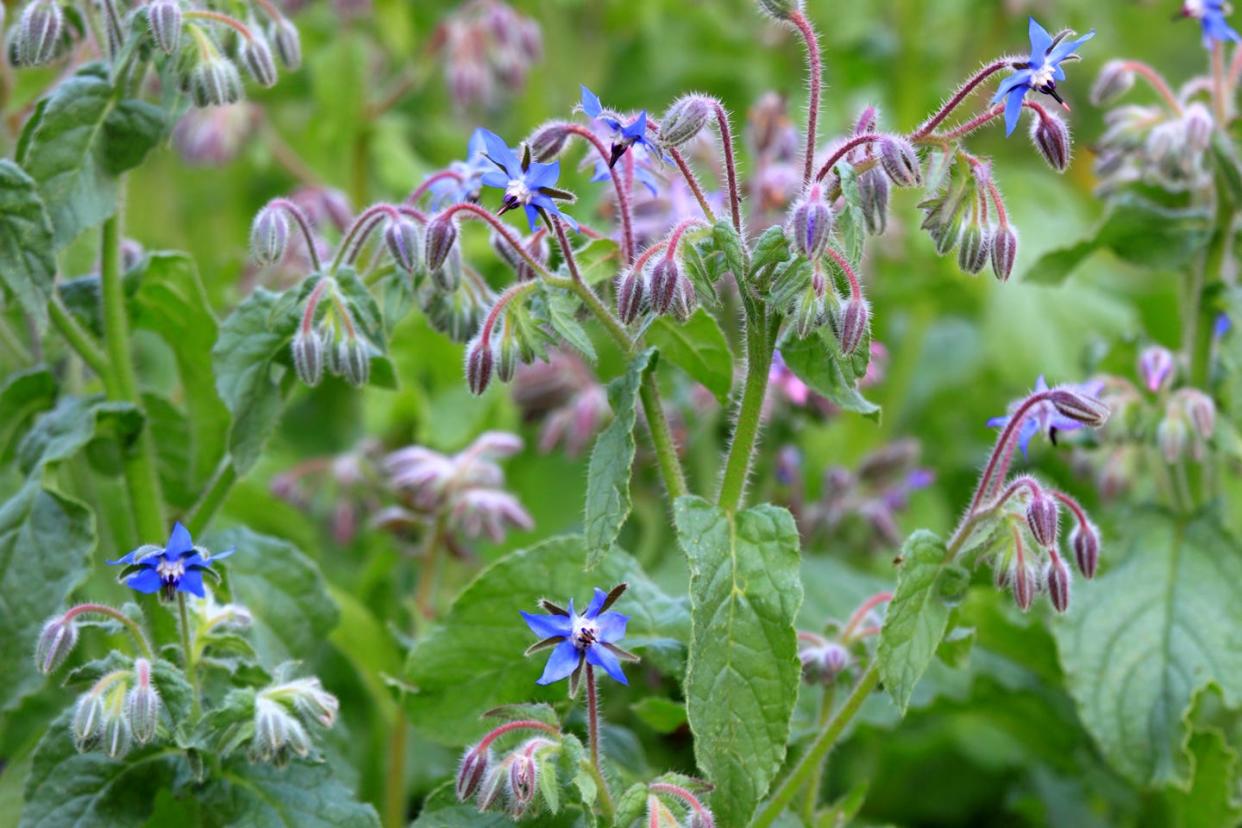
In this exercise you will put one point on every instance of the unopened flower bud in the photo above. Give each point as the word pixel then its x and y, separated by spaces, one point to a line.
pixel 164 18
pixel 507 358
pixel 1197 124
pixel 523 781
pixel 492 788
pixel 55 643
pixel 548 141
pixel 257 56
pixel 308 356
pixel 1114 80
pixel 1057 579
pixel 779 9
pixel 118 738
pixel 664 277
pixel 855 319
pixel 684 299
pixel 810 223
pixel 215 82
pixel 973 253
pixel 88 718
pixel 447 277
pixel 1052 138
pixel 822 664
pixel 1171 437
pixel 1201 410
pixel 684 120
pixel 1043 519
pixel 276 731
pixel 1022 583
pixel 873 199
pixel 269 235
pixel 480 359
pixel 1085 542
pixel 900 161
pixel 631 293
pixel 441 237
pixel 700 819
pixel 354 361
pixel 401 239
pixel 1004 251
pixel 474 766
pixel 36 38
pixel 1156 368
pixel 1078 406
pixel 288 42
pixel 142 704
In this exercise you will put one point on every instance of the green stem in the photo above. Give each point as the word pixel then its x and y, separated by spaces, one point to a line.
pixel 819 749
pixel 817 778
pixel 394 779
pixel 140 638
pixel 759 347
pixel 122 384
pixel 213 497
pixel 188 650
pixel 1201 315
pixel 605 796
pixel 78 337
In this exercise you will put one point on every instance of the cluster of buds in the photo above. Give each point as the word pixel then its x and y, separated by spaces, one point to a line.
pixel 1164 144
pixel 284 715
pixel 509 780
pixel 824 657
pixel 487 49
pixel 565 395
pixel 657 283
pixel 464 490
pixel 114 714
pixel 960 215
pixel 674 801
pixel 858 506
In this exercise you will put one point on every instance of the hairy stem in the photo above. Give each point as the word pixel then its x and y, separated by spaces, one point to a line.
pixel 188 652
pixel 140 638
pixel 592 694
pixel 759 347
pixel 692 182
pixel 817 777
pixel 726 143
pixel 78 337
pixel 622 192
pixel 815 78
pixel 952 103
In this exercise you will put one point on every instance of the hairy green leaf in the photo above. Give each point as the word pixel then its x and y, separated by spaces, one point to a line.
pixel 27 259
pixel 818 361
pixel 302 794
pixel 75 421
pixel 699 348
pixel 24 394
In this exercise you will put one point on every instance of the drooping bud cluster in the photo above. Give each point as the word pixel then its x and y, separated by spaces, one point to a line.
pixel 285 715
pixel 825 657
pixel 509 779
pixel 1051 138
pixel 329 339
pixel 115 713
pixel 961 213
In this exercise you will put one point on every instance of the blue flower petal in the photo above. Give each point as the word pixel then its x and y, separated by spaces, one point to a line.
pixel 532 216
pixel 612 627
pixel 548 626
pixel 501 155
pixel 148 581
pixel 219 556
pixel 179 542
pixel 648 180
pixel 562 662
pixel 127 558
pixel 1040 41
pixel 192 582
pixel 1026 432
pixel 475 147
pixel 597 603
pixel 495 178
pixel 601 172
pixel 1021 78
pixel 637 128
pixel 543 175
pixel 1013 109
pixel 590 102
pixel 1067 47
pixel 600 657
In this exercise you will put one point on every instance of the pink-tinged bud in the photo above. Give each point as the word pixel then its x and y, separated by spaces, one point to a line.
pixel 1198 125
pixel 474 766
pixel 873 199
pixel 1001 574
pixel 55 643
pixel 215 82
pixel 1004 251
pixel 1201 410
pixel 701 819
pixel 36 38
pixel 480 359
pixel 1172 437
pixel 88 719
pixel 1156 368
pixel 855 319
pixel 1052 138
pixel 664 277
pixel 1114 80
pixel 288 42
pixel 1077 406
pixel 441 237
pixel 973 253
pixel 493 787
pixel 900 161
pixel 1057 579
pixel 523 781
pixel 684 119
pixel 257 56
pixel 1085 542
pixel 631 294
pixel 809 225
pixel 779 9
pixel 1043 518
pixel 269 235
pixel 164 18
pixel 401 239
pixel 822 664
pixel 684 299
pixel 308 356
pixel 142 704
pixel 547 142
pixel 354 361
pixel 1023 586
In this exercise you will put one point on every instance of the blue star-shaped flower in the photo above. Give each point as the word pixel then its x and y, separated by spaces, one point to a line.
pixel 624 135
pixel 1044 417
pixel 577 639
pixel 1211 15
pixel 642 175
pixel 453 191
pixel 1041 73
pixel 527 184
pixel 178 565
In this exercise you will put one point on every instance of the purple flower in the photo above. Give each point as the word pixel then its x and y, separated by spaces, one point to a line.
pixel 1044 417
pixel 624 136
pixel 178 566
pixel 448 191
pixel 527 184
pixel 1040 74
pixel 575 639
pixel 1211 15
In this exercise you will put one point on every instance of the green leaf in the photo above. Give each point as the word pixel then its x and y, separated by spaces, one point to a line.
pixel 660 714
pixel 917 617
pixel 472 661
pixel 851 226
pixel 75 421
pixel 1138 231
pixel 731 248
pixel 66 789
pixel 46 541
pixel 1212 798
pixel 283 590
pixel 302 794
pixel 442 810
pixel 771 249
pixel 24 394
pixel 83 140
pixel 743 672
pixel 598 260
pixel 1144 637
pixel 607 502
pixel 699 348
pixel 561 308
pixel 27 260
pixel 818 361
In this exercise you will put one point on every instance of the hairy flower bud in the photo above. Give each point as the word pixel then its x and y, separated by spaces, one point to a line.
pixel 1171 437
pixel 809 225
pixel 308 356
pixel 855 319
pixel 269 235
pixel 480 359
pixel 873 192
pixel 631 293
pixel 142 704
pixel 1043 519
pixel 664 277
pixel 684 119
pixel 684 299
pixel 401 239
pixel 37 34
pixel 1114 80
pixel 474 765
pixel 284 36
pixel 118 737
pixel 547 142
pixel 1201 410
pixel 257 56
pixel 507 358
pixel 1078 406
pixel 1197 124
pixel 276 732
pixel 973 253
pixel 900 161
pixel 1057 579
pixel 779 9
pixel 56 642
pixel 492 788
pixel 1085 542
pixel 1052 139
pixel 164 18
pixel 523 781
pixel 822 664
pixel 441 238
pixel 1022 583
pixel 88 717
pixel 1156 368
pixel 354 361
pixel 215 82
pixel 1004 251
